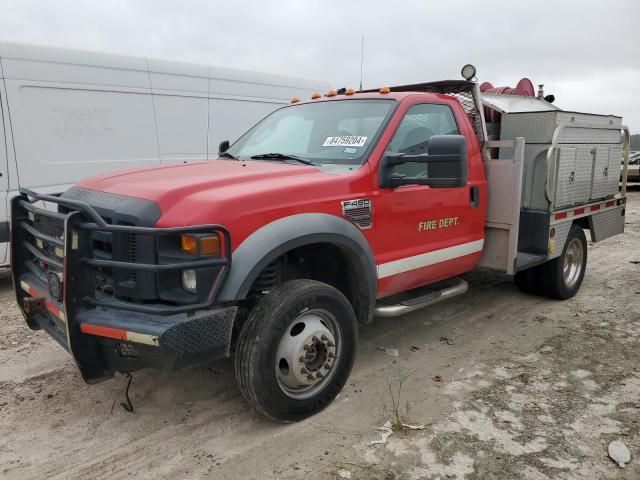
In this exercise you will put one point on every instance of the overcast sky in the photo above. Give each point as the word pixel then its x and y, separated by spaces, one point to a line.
pixel 587 53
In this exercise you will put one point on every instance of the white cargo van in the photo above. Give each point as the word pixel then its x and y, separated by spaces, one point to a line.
pixel 68 114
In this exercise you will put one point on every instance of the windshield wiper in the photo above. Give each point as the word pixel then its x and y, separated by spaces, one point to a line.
pixel 282 156
pixel 227 155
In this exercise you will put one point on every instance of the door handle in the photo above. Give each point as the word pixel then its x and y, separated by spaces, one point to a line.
pixel 474 197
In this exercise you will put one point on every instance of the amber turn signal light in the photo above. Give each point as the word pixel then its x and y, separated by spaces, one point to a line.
pixel 189 244
pixel 208 245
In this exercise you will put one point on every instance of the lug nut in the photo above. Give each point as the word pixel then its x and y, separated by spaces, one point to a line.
pixel 304 371
pixel 310 377
pixel 306 347
pixel 301 359
pixel 324 338
pixel 314 338
pixel 327 366
pixel 331 355
pixel 319 375
pixel 331 344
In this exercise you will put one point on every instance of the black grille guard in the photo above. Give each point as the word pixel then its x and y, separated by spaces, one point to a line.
pixel 78 225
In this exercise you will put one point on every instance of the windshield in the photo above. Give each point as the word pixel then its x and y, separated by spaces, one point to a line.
pixel 323 132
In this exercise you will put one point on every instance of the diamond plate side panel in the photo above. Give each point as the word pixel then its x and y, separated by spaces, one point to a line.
pixel 600 182
pixel 607 224
pixel 583 172
pixel 615 160
pixel 588 135
pixel 538 127
pixel 534 127
pixel 565 176
pixel 560 238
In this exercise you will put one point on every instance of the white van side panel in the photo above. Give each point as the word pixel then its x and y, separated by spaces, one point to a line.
pixel 74 115
pixel 180 98
pixel 63 134
pixel 60 65
pixel 233 82
pixel 230 118
pixel 239 99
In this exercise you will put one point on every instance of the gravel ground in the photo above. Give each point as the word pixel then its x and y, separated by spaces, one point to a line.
pixel 506 385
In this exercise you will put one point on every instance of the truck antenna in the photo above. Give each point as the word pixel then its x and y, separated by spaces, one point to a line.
pixel 361 59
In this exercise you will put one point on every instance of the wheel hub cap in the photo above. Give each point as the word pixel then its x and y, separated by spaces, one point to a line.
pixel 572 266
pixel 306 354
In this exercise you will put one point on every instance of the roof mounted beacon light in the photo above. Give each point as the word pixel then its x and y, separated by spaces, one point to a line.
pixel 468 72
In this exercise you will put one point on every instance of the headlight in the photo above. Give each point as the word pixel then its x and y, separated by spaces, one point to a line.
pixel 189 281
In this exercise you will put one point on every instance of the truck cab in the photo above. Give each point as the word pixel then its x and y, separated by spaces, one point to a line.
pixel 325 214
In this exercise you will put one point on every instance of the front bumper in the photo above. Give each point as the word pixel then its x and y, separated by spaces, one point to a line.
pixel 58 281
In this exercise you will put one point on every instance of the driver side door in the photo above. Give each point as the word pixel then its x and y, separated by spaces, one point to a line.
pixel 426 234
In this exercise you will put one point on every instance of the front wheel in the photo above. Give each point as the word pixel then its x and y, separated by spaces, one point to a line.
pixel 296 350
pixel 563 275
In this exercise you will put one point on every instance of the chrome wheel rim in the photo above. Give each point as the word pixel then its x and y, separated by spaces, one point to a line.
pixel 573 259
pixel 308 354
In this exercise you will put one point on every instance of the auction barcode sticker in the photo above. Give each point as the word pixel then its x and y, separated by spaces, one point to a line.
pixel 345 141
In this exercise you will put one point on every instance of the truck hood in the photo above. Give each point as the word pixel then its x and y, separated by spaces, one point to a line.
pixel 227 191
pixel 162 184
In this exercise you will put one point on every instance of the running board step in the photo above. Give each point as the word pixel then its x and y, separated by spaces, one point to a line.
pixel 455 287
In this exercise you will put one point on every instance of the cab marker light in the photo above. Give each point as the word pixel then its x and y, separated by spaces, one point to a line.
pixel 331 93
pixel 349 91
pixel 316 95
pixel 384 90
pixel 295 99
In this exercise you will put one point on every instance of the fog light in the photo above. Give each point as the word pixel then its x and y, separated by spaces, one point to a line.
pixel 189 280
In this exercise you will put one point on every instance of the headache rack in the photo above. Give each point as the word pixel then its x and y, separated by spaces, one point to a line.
pixel 467 93
pixel 62 244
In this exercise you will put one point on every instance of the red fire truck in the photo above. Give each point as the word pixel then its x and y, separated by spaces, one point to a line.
pixel 326 214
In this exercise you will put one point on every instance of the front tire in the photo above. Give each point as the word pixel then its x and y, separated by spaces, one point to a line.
pixel 564 275
pixel 296 350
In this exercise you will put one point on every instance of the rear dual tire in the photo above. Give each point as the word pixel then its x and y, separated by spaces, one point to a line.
pixel 561 277
pixel 296 350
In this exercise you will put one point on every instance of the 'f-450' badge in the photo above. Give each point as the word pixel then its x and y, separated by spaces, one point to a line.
pixel 358 211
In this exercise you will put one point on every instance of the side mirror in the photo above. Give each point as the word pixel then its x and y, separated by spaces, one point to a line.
pixel 223 146
pixel 445 164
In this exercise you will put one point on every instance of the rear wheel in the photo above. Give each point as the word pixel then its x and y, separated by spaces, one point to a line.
pixel 563 275
pixel 296 350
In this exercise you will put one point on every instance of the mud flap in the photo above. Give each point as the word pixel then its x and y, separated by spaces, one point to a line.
pixel 607 224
